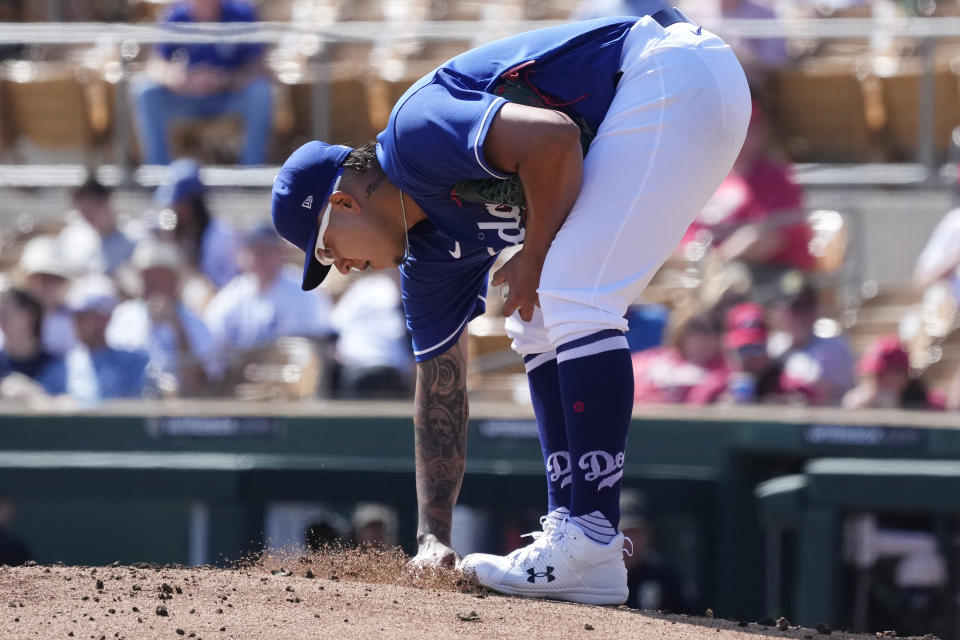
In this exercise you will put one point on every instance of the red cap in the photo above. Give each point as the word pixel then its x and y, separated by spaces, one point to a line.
pixel 885 354
pixel 745 325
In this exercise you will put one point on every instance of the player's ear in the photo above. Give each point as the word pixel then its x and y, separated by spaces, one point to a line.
pixel 345 202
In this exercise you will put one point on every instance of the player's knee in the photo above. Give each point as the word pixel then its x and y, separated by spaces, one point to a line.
pixel 566 320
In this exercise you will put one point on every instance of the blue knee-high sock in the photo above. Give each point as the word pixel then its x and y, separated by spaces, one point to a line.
pixel 596 385
pixel 544 382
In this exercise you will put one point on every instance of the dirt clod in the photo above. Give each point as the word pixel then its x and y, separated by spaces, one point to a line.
pixel 588 627
pixel 824 629
pixel 162 611
pixel 782 623
pixel 473 616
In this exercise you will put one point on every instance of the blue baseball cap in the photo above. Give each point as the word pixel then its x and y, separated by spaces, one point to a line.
pixel 183 181
pixel 300 192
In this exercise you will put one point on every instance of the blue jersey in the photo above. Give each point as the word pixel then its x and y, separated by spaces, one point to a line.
pixel 432 149
pixel 227 55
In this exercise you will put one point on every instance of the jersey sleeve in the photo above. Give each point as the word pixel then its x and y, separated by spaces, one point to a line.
pixel 438 132
pixel 444 285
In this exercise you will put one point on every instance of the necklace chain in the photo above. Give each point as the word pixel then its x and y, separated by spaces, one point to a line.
pixel 406 233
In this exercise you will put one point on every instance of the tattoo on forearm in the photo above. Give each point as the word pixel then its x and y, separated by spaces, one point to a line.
pixel 440 440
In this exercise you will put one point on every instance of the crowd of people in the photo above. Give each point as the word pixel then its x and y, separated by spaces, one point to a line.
pixel 742 352
pixel 174 302
pixel 179 302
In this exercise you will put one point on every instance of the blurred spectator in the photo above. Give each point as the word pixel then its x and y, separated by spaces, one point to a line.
pixel 181 349
pixel 265 302
pixel 13 552
pixel 96 371
pixel 668 374
pixel 828 361
pixel 752 376
pixel 204 80
pixel 27 370
pixel 47 278
pixel 209 243
pixel 94 244
pixel 756 216
pixel 373 346
pixel 885 381
pixel 653 584
pixel 939 262
pixel 374 525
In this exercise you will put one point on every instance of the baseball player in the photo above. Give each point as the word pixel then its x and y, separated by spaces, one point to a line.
pixel 591 144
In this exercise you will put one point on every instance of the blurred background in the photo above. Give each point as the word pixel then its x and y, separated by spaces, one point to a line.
pixel 168 394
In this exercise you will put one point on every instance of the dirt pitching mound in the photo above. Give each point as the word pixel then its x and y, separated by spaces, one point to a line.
pixel 335 594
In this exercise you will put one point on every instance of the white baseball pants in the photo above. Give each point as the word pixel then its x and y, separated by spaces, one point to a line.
pixel 671 135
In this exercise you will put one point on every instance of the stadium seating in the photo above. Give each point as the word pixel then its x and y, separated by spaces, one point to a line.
pixel 829 111
pixel 901 95
pixel 56 106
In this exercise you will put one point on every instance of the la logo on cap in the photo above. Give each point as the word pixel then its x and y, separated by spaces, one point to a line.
pixel 308 203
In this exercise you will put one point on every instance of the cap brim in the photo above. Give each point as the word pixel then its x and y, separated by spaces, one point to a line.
pixel 313 272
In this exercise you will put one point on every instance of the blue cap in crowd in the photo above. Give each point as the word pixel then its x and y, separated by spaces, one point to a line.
pixel 300 193
pixel 183 181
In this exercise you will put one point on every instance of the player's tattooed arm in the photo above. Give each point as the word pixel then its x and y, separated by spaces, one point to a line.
pixel 440 441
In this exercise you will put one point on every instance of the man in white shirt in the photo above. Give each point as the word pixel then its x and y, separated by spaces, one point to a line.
pixel 92 241
pixel 182 353
pixel 373 346
pixel 265 302
pixel 940 259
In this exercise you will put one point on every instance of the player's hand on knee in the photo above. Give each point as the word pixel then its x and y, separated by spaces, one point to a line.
pixel 520 276
pixel 433 553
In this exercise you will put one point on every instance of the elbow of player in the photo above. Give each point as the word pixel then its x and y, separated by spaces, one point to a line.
pixel 557 141
pixel 564 132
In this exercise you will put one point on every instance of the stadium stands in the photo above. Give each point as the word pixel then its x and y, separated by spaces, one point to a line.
pixel 338 66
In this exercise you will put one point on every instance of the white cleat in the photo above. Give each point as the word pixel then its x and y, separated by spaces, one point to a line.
pixel 562 563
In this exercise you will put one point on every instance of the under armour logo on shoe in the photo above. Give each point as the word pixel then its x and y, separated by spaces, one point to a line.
pixel 308 202
pixel 534 574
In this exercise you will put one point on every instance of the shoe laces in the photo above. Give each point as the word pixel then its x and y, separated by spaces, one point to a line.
pixel 551 534
pixel 629 553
